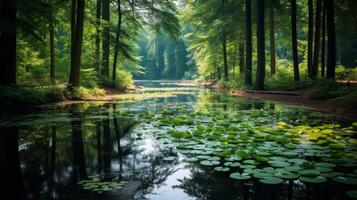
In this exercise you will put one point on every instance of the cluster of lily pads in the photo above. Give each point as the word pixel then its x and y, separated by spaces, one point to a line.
pixel 95 184
pixel 257 144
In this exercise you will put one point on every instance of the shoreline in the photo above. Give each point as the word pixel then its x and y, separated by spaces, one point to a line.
pixel 299 97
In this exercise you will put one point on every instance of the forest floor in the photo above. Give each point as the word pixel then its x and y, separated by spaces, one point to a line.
pixel 299 97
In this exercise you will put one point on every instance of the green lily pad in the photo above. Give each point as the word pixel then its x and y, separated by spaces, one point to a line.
pixel 271 180
pixel 222 169
pixel 239 176
pixel 318 179
pixel 209 162
pixel 346 180
pixel 309 173
pixel 352 194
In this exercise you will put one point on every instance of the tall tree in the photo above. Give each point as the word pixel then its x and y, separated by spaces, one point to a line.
pixel 52 44
pixel 106 35
pixel 8 42
pixel 294 40
pixel 323 45
pixel 225 61
pixel 117 40
pixel 241 57
pixel 317 38
pixel 77 20
pixel 248 40
pixel 97 35
pixel 259 83
pixel 331 40
pixel 272 37
pixel 310 40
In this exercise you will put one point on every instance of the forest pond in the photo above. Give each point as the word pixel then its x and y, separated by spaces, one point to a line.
pixel 177 141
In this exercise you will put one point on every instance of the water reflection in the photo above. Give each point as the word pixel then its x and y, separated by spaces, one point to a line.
pixel 43 155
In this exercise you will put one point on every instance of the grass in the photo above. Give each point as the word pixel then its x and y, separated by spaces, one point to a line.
pixel 23 95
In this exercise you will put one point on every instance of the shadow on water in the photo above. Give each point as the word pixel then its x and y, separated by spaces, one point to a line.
pixel 44 155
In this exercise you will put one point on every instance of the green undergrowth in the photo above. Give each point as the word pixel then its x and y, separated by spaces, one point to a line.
pixel 23 96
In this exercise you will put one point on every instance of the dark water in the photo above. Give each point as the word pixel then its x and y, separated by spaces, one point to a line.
pixel 47 150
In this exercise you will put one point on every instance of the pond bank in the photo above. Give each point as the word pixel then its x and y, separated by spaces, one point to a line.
pixel 301 97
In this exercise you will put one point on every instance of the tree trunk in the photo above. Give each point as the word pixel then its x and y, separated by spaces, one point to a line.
pixel 331 40
pixel 106 41
pixel 11 182
pixel 8 43
pixel 241 57
pixel 225 62
pixel 117 39
pixel 317 39
pixel 248 40
pixel 97 36
pixel 259 83
pixel 310 40
pixel 77 37
pixel 323 46
pixel 272 40
pixel 294 41
pixel 52 47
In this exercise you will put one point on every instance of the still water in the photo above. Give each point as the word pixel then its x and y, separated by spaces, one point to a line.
pixel 49 150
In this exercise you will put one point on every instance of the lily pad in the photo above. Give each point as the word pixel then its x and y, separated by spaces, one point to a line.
pixel 239 176
pixel 352 194
pixel 318 179
pixel 271 180
pixel 346 180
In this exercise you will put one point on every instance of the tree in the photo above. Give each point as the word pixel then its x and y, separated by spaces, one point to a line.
pixel 248 40
pixel 310 40
pixel 225 62
pixel 331 40
pixel 77 20
pixel 106 35
pixel 323 45
pixel 117 38
pixel 315 66
pixel 272 37
pixel 294 40
pixel 97 35
pixel 52 44
pixel 8 42
pixel 259 83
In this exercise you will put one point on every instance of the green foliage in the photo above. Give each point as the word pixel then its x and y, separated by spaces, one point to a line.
pixel 17 95
pixel 124 80
pixel 83 93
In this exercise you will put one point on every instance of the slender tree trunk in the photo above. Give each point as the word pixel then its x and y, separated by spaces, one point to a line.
pixel 259 83
pixel 52 47
pixel 331 37
pixel 272 40
pixel 106 41
pixel 225 62
pixel 8 43
pixel 317 38
pixel 294 40
pixel 77 44
pixel 241 57
pixel 310 40
pixel 248 40
pixel 323 46
pixel 97 36
pixel 117 40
